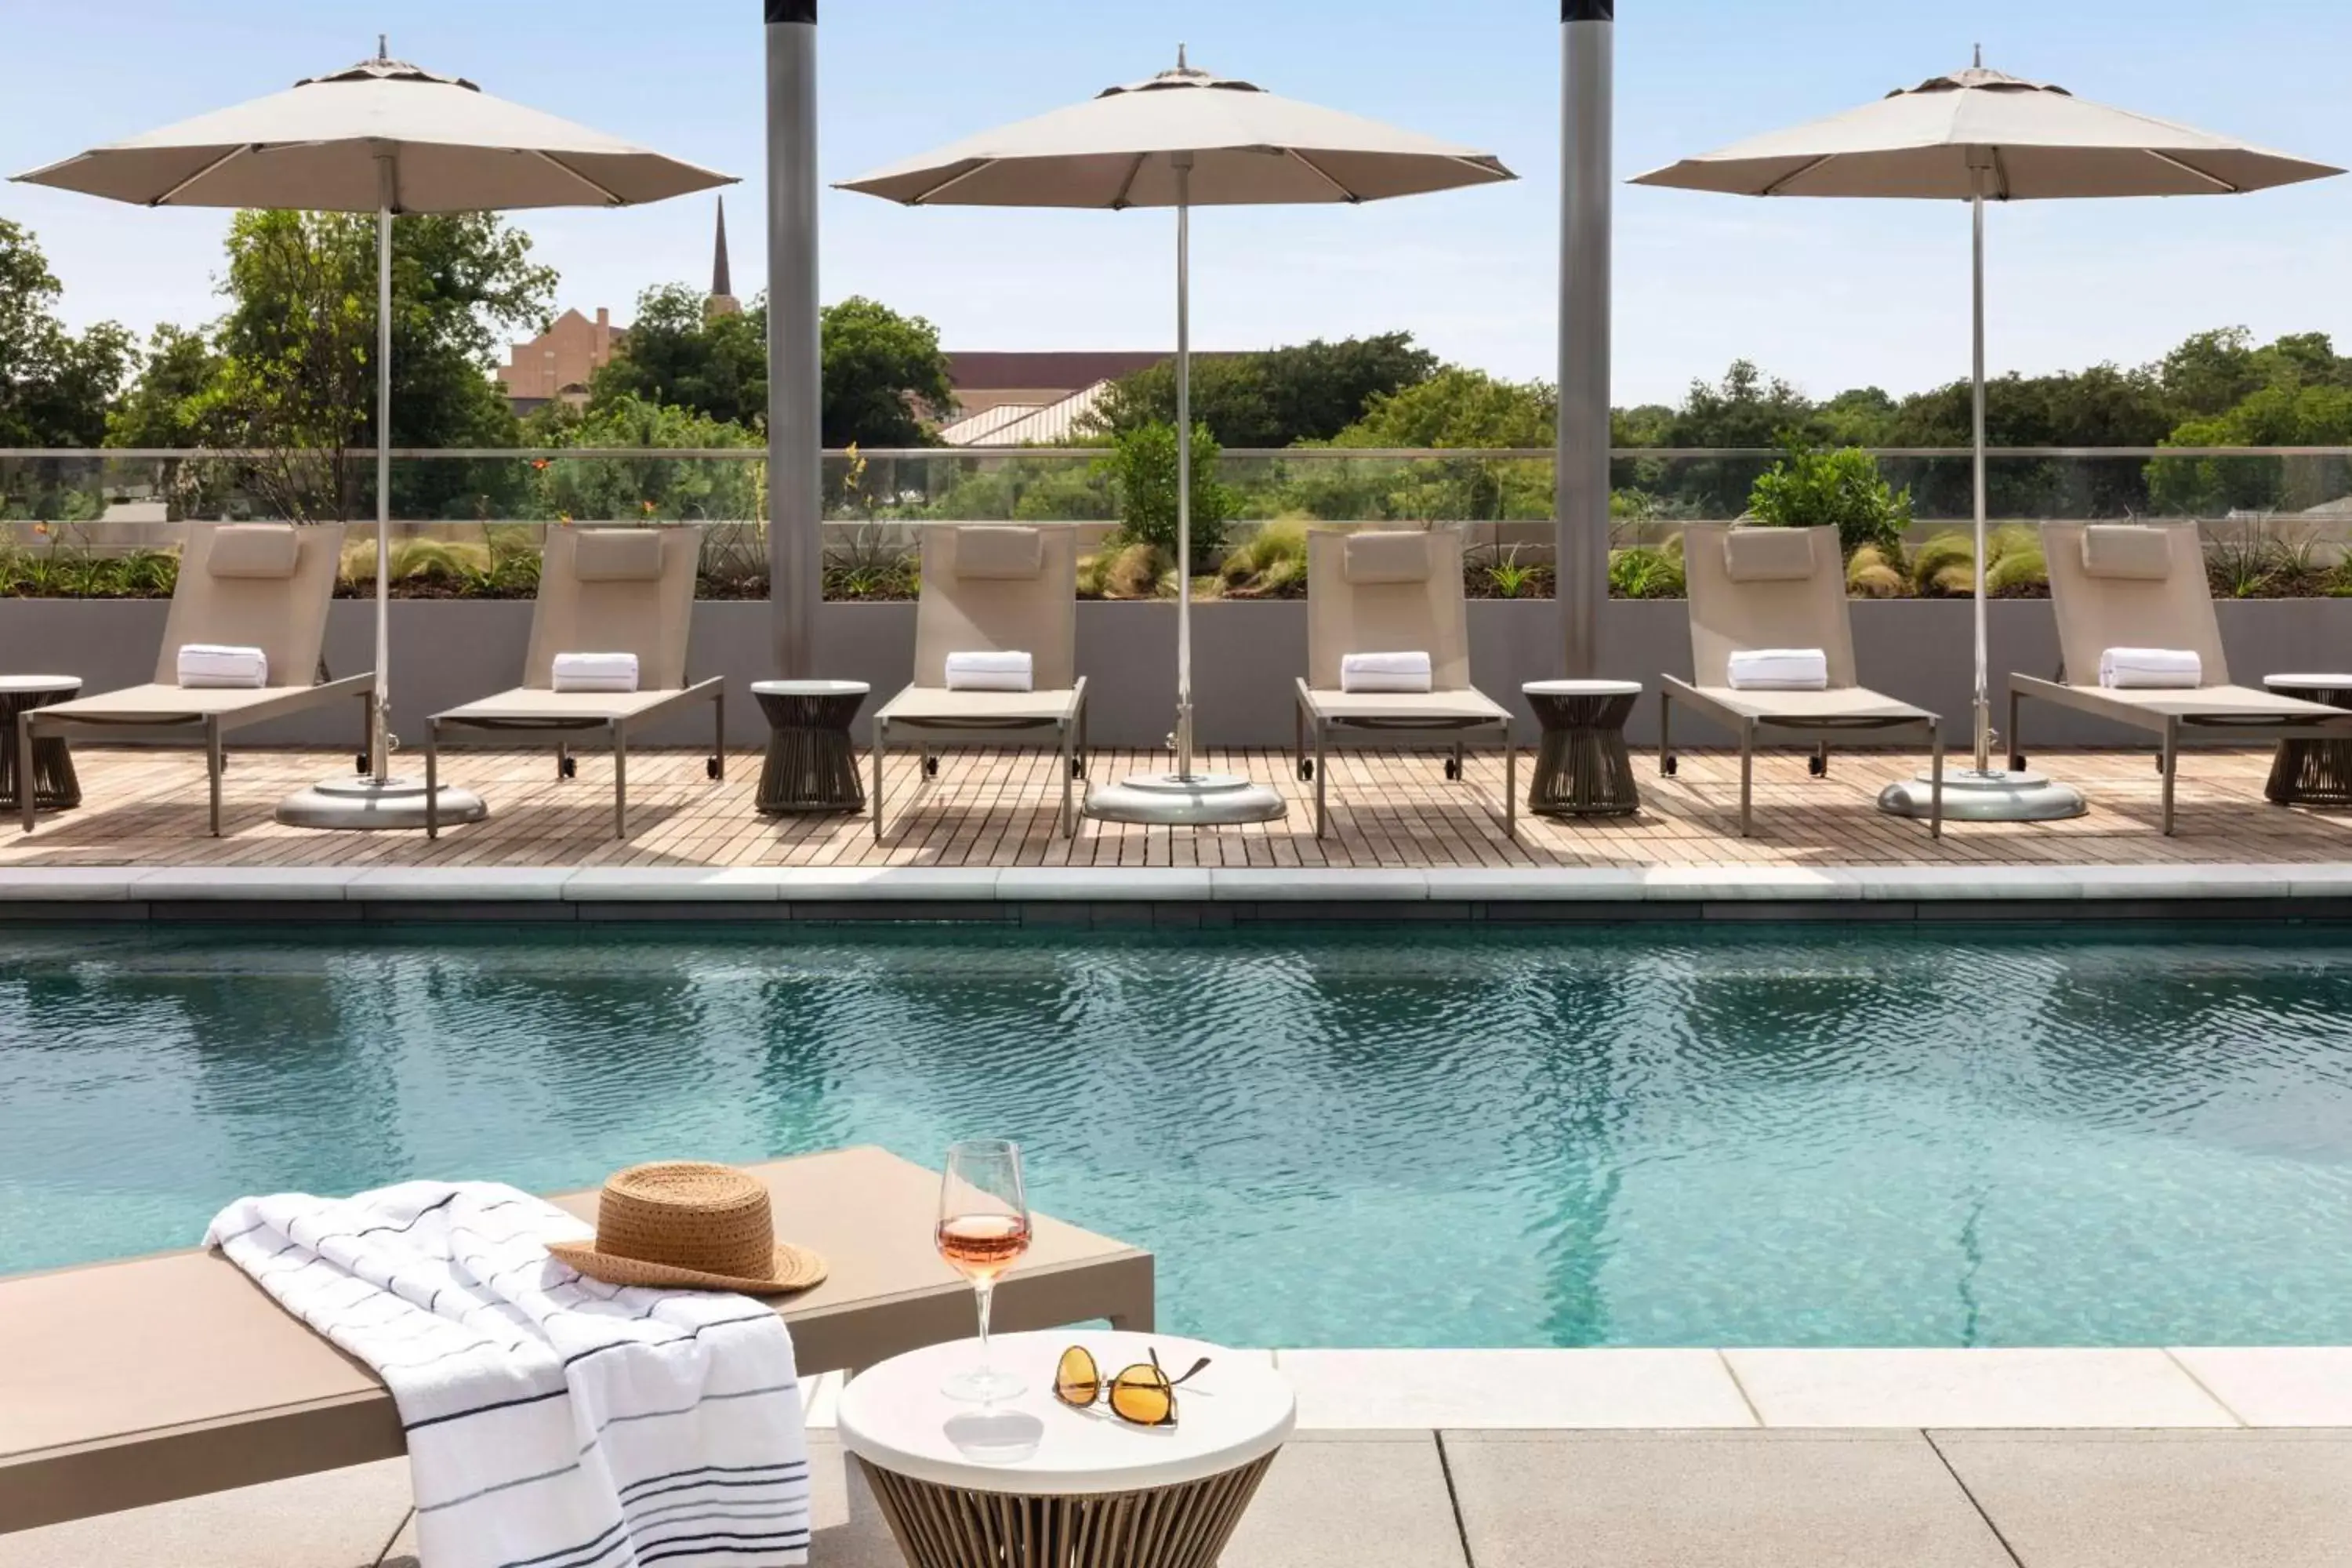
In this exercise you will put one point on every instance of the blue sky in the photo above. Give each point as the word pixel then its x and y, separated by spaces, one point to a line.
pixel 1830 294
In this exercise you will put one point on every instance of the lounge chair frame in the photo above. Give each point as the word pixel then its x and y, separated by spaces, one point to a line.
pixel 653 619
pixel 2176 611
pixel 1428 616
pixel 955 614
pixel 287 620
pixel 1727 616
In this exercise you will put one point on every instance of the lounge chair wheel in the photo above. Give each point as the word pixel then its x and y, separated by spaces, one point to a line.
pixel 1668 766
pixel 1078 767
pixel 569 768
pixel 1453 769
pixel 360 762
pixel 1817 766
pixel 2017 761
pixel 930 767
pixel 2159 761
pixel 710 767
pixel 1307 767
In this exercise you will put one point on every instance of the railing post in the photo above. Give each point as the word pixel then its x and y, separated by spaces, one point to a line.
pixel 796 466
pixel 1580 505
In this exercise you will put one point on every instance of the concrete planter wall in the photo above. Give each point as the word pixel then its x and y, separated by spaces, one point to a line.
pixel 1245 657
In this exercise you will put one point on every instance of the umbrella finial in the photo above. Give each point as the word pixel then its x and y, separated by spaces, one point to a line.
pixel 1179 58
pixel 1980 60
pixel 383 45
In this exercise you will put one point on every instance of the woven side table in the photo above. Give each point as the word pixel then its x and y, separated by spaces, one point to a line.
pixel 1581 768
pixel 55 787
pixel 811 765
pixel 1030 1483
pixel 2311 773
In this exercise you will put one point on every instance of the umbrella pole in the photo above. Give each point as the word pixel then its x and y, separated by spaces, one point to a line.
pixel 379 722
pixel 1983 700
pixel 1183 466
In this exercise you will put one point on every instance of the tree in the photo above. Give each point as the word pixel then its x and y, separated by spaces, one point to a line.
pixel 2317 416
pixel 55 387
pixel 297 373
pixel 881 370
pixel 677 354
pixel 1280 397
pixel 1840 489
pixel 651 488
pixel 1144 465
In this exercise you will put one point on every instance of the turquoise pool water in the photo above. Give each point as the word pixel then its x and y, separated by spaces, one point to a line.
pixel 1781 1135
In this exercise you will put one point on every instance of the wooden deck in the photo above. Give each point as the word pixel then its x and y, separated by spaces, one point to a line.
pixel 146 807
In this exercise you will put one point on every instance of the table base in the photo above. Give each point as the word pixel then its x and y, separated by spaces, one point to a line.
pixel 810 765
pixel 1182 1526
pixel 1582 767
pixel 55 785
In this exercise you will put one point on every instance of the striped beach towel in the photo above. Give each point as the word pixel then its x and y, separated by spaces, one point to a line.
pixel 552 1421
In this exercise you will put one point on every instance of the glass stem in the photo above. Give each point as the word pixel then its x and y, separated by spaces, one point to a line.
pixel 982 1291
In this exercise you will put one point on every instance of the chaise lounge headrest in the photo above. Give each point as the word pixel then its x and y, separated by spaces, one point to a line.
pixel 999 552
pixel 618 555
pixel 2128 550
pixel 253 549
pixel 1386 558
pixel 1767 555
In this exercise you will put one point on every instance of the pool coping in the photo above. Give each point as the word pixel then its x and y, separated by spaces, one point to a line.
pixel 1178 896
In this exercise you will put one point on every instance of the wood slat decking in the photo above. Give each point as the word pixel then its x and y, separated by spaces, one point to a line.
pixel 146 807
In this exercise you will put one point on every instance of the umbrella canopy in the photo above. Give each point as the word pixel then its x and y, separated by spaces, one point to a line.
pixel 1183 139
pixel 1118 148
pixel 316 147
pixel 386 137
pixel 1981 133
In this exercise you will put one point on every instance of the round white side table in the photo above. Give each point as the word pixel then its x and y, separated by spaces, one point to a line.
pixel 1032 1481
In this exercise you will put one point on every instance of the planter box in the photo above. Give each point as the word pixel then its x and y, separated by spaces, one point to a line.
pixel 1245 657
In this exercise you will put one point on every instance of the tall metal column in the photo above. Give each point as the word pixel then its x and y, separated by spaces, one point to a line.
pixel 1581 507
pixel 795 476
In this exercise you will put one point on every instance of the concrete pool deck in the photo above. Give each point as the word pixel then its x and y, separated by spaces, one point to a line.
pixel 1631 1458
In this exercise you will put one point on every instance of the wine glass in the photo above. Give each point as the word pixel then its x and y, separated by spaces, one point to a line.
pixel 984 1230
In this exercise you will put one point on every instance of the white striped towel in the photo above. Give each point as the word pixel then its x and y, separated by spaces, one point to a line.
pixel 1778 670
pixel 2176 668
pixel 1384 672
pixel 999 671
pixel 207 664
pixel 552 1420
pixel 593 672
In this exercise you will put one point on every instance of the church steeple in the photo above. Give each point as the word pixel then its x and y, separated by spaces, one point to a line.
pixel 722 300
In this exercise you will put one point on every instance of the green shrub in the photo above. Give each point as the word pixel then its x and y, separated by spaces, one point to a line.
pixel 1143 463
pixel 1840 489
pixel 1932 564
pixel 1647 570
pixel 1279 544
pixel 2016 571
pixel 1876 573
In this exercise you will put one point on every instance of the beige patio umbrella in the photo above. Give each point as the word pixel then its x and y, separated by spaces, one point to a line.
pixel 1183 139
pixel 1976 136
pixel 386 137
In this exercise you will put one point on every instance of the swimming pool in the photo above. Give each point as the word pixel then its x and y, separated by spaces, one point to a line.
pixel 1802 1134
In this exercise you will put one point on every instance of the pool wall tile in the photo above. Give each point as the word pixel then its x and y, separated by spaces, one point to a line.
pixel 1097 884
pixel 2012 1388
pixel 931 884
pixel 2287 1386
pixel 1508 884
pixel 1513 1388
pixel 733 884
pixel 450 884
pixel 255 910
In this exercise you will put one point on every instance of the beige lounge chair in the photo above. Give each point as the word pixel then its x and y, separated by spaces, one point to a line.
pixel 2144 585
pixel 174 1375
pixel 600 590
pixel 250 584
pixel 994 590
pixel 1391 592
pixel 1753 588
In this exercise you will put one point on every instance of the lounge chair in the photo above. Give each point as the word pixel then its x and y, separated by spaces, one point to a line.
pixel 1756 588
pixel 2144 587
pixel 1391 592
pixel 994 590
pixel 600 590
pixel 174 1376
pixel 250 584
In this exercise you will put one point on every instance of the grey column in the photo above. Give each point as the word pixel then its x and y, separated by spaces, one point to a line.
pixel 1580 511
pixel 795 476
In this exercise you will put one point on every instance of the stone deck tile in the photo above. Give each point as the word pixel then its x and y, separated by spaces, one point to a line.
pixel 1351 1501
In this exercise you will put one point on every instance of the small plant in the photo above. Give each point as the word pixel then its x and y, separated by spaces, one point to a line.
pixel 1647 572
pixel 1511 580
pixel 1840 489
pixel 1876 573
pixel 1268 564
pixel 1143 464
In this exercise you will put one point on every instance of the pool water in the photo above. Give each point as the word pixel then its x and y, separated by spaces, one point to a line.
pixel 1799 1135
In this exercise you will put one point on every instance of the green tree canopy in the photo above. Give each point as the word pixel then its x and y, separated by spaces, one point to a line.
pixel 56 387
pixel 677 354
pixel 1458 408
pixel 1279 398
pixel 882 372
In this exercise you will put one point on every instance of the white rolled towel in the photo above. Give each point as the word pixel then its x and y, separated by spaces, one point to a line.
pixel 1778 669
pixel 990 671
pixel 2162 668
pixel 1384 672
pixel 594 672
pixel 222 664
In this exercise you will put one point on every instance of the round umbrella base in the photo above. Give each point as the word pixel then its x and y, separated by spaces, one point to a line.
pixel 1972 796
pixel 363 803
pixel 1198 800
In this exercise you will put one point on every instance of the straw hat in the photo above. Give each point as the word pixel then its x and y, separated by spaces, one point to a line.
pixel 685 1224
